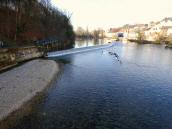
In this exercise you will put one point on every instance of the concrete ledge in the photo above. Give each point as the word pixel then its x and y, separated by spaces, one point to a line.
pixel 21 84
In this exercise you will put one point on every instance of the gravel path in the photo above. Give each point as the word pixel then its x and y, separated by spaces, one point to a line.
pixel 21 84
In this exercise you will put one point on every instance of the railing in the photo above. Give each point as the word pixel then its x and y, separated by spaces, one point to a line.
pixel 1 44
pixel 46 42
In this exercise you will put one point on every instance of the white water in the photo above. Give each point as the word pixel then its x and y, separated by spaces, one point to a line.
pixel 77 50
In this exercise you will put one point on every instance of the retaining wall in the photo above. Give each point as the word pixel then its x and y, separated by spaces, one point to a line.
pixel 11 56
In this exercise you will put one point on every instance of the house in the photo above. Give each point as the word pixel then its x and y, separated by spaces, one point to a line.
pixel 131 31
pixel 163 28
pixel 112 32
pixel 152 33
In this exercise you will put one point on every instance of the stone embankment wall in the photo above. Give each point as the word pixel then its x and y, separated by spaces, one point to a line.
pixel 7 59
pixel 11 56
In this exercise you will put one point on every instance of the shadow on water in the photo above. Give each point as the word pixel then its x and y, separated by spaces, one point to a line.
pixel 25 111
pixel 63 61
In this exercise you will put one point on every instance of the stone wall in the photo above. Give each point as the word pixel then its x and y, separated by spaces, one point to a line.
pixel 7 59
pixel 27 53
pixel 11 56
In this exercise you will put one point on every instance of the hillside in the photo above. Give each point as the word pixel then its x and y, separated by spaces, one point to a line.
pixel 25 21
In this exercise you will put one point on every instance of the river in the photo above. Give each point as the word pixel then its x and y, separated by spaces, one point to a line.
pixel 97 90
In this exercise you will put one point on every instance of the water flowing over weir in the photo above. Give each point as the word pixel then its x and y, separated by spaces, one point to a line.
pixel 78 50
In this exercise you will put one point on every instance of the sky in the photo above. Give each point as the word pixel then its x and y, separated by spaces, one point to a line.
pixel 113 13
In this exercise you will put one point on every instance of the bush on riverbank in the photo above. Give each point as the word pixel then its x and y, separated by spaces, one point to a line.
pixel 169 39
pixel 24 21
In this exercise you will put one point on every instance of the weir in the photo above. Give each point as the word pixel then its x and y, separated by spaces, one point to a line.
pixel 78 50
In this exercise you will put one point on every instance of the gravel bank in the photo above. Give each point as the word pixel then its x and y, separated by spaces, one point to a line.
pixel 21 84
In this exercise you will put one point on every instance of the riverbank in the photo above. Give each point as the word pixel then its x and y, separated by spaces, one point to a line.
pixel 21 84
pixel 168 46
pixel 142 41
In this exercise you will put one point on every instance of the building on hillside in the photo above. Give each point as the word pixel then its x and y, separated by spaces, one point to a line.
pixel 151 24
pixel 112 33
pixel 151 31
pixel 118 32
pixel 163 28
pixel 131 31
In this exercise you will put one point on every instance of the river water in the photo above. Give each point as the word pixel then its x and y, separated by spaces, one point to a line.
pixel 97 90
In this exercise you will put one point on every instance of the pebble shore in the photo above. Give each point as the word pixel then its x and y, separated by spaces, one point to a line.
pixel 22 83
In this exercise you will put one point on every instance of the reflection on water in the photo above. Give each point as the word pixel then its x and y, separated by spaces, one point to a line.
pixel 89 42
pixel 95 91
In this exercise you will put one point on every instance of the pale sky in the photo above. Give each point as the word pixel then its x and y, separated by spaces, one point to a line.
pixel 114 13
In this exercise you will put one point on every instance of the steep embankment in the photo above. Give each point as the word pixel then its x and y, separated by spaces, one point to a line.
pixel 25 21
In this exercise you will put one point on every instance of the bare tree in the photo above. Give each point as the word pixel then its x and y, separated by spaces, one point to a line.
pixel 161 36
pixel 140 35
pixel 28 20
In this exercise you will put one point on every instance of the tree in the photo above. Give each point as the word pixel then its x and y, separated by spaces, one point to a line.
pixel 24 21
pixel 140 35
pixel 80 31
pixel 169 39
pixel 161 36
